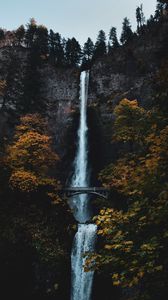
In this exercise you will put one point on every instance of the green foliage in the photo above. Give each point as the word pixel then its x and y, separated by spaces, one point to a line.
pixel 30 32
pixel 163 1
pixel 140 17
pixel 126 34
pixel 100 46
pixel 134 242
pixel 20 33
pixel 131 121
pixel 72 52
pixel 113 40
pixel 36 38
pixel 2 34
pixel 56 48
pixel 161 88
pixel 88 51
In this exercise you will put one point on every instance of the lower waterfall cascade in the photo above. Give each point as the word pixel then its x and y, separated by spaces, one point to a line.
pixel 84 241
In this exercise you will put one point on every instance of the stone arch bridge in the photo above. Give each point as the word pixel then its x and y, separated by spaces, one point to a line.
pixel 74 191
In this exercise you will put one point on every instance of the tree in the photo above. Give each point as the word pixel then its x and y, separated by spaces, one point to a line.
pixel 56 48
pixel 131 121
pixel 2 34
pixel 36 38
pixel 100 46
pixel 41 41
pixel 88 51
pixel 163 1
pixel 20 33
pixel 140 17
pixel 113 40
pixel 31 156
pixel 134 241
pixel 126 34
pixel 30 32
pixel 72 52
pixel 162 5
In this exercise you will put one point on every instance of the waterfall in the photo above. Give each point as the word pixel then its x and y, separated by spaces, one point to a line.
pixel 84 240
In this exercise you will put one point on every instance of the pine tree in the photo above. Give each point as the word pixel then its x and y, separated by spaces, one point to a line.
pixel 113 40
pixel 30 32
pixel 2 34
pixel 41 41
pixel 100 46
pixel 20 33
pixel 72 52
pixel 127 33
pixel 88 51
pixel 56 48
pixel 140 17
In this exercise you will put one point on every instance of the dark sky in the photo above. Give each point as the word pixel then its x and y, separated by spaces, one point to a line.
pixel 76 18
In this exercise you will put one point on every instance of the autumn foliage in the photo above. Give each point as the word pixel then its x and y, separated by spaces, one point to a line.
pixel 30 156
pixel 134 242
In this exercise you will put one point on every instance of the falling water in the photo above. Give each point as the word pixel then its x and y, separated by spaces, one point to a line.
pixel 85 237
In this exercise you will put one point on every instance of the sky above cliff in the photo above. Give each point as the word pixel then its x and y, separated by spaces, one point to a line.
pixel 78 18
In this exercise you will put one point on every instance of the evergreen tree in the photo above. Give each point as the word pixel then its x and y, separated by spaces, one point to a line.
pixel 140 17
pixel 56 48
pixel 30 32
pixel 72 52
pixel 100 46
pixel 41 40
pixel 113 40
pixel 163 1
pixel 127 33
pixel 36 38
pixel 88 51
pixel 20 33
pixel 2 34
pixel 161 6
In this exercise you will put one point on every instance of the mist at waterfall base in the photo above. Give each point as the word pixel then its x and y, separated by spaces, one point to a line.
pixel 84 241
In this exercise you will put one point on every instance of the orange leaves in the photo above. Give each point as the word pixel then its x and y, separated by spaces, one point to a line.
pixel 31 122
pixel 32 149
pixel 31 155
pixel 23 180
pixel 2 87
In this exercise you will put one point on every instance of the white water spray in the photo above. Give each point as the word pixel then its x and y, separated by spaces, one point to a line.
pixel 84 240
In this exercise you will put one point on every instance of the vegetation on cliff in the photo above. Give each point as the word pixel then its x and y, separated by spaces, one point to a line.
pixel 34 219
pixel 133 241
pixel 36 224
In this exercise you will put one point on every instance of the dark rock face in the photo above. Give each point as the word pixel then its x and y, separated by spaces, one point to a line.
pixel 129 70
pixel 59 89
pixel 127 73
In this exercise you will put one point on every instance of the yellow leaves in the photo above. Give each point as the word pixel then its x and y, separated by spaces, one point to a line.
pixel 31 122
pixel 159 268
pixel 131 121
pixel 140 274
pixel 128 243
pixel 108 247
pixel 55 198
pixel 2 87
pixel 115 276
pixel 133 282
pixel 147 247
pixel 31 155
pixel 23 180
pixel 116 283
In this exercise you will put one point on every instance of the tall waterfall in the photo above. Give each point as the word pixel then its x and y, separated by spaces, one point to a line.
pixel 85 237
